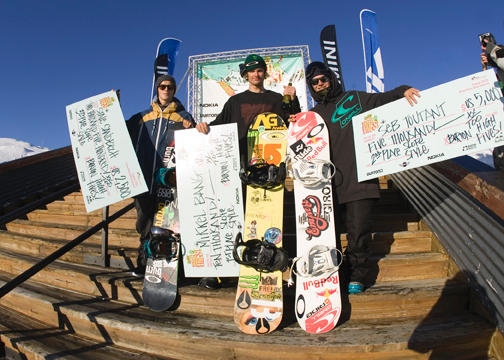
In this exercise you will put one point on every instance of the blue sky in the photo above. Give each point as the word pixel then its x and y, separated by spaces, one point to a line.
pixel 54 53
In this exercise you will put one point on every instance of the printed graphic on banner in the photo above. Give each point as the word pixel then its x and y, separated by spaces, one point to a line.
pixel 453 119
pixel 208 179
pixel 106 163
pixel 221 79
pixel 372 52
pixel 329 47
pixel 164 64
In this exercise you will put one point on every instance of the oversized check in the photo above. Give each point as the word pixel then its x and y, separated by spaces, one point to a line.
pixel 106 163
pixel 210 199
pixel 453 119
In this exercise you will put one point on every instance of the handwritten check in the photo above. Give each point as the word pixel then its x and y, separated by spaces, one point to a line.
pixel 106 162
pixel 211 213
pixel 453 119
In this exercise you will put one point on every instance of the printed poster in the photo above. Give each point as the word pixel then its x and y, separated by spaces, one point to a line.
pixel 219 80
pixel 211 204
pixel 106 163
pixel 450 120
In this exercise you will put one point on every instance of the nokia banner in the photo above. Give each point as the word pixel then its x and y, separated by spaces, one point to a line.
pixel 373 65
pixel 329 49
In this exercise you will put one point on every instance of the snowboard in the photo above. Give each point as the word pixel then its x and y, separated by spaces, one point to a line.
pixel 162 248
pixel 318 298
pixel 258 305
pixel 164 64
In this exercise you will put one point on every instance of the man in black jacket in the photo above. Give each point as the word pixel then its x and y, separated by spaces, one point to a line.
pixel 242 108
pixel 355 199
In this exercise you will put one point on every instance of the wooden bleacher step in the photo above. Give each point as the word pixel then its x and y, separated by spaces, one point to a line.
pixel 413 310
pixel 35 340
pixel 120 285
pixel 35 241
pixel 117 237
pixel 179 335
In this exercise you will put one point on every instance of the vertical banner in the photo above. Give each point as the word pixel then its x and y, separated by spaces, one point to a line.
pixel 219 80
pixel 106 162
pixel 166 55
pixel 211 212
pixel 373 65
pixel 329 48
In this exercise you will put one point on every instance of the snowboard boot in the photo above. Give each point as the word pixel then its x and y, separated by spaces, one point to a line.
pixel 139 270
pixel 355 287
pixel 212 283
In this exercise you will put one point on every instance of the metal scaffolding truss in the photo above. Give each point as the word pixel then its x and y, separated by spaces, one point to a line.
pixel 194 86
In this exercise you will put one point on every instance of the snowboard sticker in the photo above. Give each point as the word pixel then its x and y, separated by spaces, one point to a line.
pixel 259 303
pixel 318 298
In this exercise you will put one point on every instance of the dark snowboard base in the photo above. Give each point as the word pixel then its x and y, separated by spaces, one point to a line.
pixel 160 284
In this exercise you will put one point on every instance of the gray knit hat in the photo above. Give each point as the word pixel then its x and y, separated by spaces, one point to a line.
pixel 163 78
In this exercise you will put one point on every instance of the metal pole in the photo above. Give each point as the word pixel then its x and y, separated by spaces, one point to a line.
pixel 105 259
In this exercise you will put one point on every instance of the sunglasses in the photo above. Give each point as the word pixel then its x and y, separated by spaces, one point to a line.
pixel 164 87
pixel 324 79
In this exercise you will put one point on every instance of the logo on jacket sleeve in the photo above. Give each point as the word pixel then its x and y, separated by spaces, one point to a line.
pixel 347 108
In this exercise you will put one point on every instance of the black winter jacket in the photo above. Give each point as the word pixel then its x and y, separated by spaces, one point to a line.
pixel 337 108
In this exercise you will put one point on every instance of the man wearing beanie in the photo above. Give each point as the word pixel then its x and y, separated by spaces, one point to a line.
pixel 355 199
pixel 242 108
pixel 149 131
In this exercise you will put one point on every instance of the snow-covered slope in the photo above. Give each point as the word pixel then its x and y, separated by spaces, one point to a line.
pixel 11 149
pixel 484 156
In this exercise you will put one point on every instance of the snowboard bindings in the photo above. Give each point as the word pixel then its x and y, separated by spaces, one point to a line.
pixel 320 260
pixel 162 243
pixel 263 175
pixel 312 172
pixel 259 254
pixel 165 177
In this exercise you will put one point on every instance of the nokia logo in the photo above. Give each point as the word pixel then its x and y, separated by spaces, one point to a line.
pixel 435 156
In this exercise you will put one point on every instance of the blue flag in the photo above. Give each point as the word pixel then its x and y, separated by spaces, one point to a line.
pixel 164 64
pixel 372 53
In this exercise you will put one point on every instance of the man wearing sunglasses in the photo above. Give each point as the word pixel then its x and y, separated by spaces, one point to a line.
pixel 150 134
pixel 355 199
pixel 242 108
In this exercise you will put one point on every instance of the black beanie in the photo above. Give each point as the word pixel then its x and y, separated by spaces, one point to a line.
pixel 317 68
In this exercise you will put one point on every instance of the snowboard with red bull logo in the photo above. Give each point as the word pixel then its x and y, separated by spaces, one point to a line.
pixel 318 298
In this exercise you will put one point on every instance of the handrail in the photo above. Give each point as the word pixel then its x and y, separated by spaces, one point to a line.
pixel 18 280
pixel 464 222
